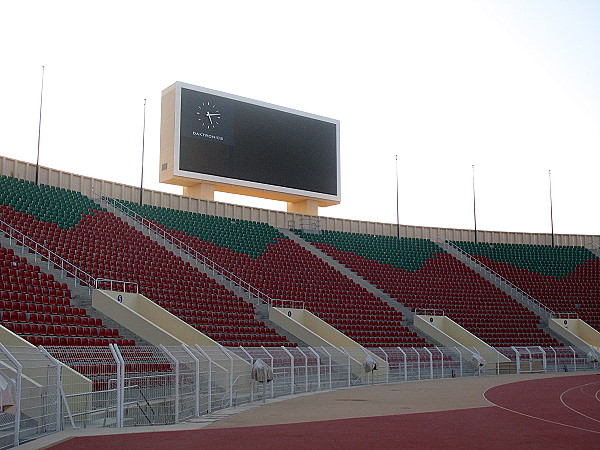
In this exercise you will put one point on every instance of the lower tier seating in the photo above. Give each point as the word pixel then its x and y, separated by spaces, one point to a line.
pixel 38 308
pixel 104 246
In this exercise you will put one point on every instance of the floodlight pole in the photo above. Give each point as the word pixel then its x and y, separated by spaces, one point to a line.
pixel 143 148
pixel 37 164
pixel 474 205
pixel 551 215
pixel 397 202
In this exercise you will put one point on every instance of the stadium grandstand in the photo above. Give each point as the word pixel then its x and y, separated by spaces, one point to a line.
pixel 120 314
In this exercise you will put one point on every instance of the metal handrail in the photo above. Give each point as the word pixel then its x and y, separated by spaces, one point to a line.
pixel 112 282
pixel 203 259
pixel 53 258
pixel 566 315
pixel 429 312
pixel 536 302
pixel 282 303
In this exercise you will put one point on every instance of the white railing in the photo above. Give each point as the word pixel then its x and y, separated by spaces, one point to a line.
pixel 114 285
pixel 135 386
pixel 54 259
pixel 539 305
pixel 184 247
pixel 429 312
pixel 566 315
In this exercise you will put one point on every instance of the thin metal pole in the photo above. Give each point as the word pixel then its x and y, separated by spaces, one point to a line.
pixel 474 204
pixel 143 148
pixel 551 215
pixel 37 164
pixel 397 202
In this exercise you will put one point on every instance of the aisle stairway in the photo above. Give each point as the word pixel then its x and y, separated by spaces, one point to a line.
pixel 106 247
pixel 419 274
pixel 564 279
pixel 264 257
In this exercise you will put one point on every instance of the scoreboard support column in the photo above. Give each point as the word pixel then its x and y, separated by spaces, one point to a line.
pixel 309 207
pixel 205 191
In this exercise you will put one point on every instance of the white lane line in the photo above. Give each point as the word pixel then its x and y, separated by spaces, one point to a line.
pixel 534 417
pixel 573 409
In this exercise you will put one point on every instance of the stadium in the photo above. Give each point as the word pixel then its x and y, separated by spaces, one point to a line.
pixel 266 284
pixel 130 309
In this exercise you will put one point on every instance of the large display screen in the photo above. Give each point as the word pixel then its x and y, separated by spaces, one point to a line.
pixel 229 139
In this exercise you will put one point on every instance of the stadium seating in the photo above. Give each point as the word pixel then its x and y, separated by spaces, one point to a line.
pixel 420 274
pixel 264 257
pixel 416 272
pixel 565 279
pixel 104 246
pixel 38 308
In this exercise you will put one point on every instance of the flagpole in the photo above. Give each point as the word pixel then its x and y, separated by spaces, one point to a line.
pixel 143 148
pixel 397 202
pixel 474 205
pixel 37 164
pixel 551 215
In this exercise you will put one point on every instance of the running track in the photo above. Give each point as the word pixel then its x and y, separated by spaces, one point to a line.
pixel 548 413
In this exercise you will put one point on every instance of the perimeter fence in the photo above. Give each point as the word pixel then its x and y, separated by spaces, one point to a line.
pixel 46 390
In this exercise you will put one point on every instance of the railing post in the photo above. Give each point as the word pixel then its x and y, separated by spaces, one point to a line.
pixel 555 359
pixel 272 368
pixel 18 392
pixel 251 364
pixel 460 361
pixel 318 368
pixel 518 359
pixel 418 363
pixel 405 366
pixel 430 363
pixel 197 379
pixel 543 357
pixel 226 352
pixel 176 362
pixel 209 379
pixel 59 391
pixel 329 355
pixel 349 365
pixel 305 369
pixel 387 363
pixel 442 355
pixel 120 383
pixel 292 380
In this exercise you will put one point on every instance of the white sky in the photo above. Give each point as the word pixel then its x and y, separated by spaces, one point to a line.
pixel 512 87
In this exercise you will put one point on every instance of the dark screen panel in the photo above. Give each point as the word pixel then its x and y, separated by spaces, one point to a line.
pixel 258 144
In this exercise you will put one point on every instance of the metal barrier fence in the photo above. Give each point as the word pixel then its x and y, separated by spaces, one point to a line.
pixel 51 389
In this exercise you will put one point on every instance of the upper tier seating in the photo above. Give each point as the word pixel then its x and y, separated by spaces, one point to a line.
pixel 106 247
pixel 278 266
pixel 565 279
pixel 420 274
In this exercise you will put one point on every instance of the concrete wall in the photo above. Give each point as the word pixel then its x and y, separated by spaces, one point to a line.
pixel 577 333
pixel 147 319
pixel 316 333
pixel 83 184
pixel 35 369
pixel 158 326
pixel 450 334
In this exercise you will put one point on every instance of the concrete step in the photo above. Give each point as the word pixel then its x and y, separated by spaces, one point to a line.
pixel 495 279
pixel 262 314
pixel 407 314
pixel 261 309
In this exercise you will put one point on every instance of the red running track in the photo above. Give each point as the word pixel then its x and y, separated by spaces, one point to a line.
pixel 548 413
